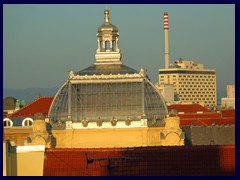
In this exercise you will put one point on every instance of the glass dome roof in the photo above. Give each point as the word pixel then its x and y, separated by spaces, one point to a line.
pixel 107 90
pixel 108 100
pixel 107 69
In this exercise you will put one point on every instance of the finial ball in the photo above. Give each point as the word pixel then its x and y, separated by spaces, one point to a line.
pixel 106 12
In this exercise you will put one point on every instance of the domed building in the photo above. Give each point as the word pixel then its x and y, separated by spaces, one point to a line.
pixel 107 104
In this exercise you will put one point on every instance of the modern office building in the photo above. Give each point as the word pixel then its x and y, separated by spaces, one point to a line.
pixel 192 83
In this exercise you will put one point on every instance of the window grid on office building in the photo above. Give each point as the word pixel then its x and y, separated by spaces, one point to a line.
pixel 202 87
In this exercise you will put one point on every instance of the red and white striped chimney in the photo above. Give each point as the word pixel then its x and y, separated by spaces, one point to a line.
pixel 166 45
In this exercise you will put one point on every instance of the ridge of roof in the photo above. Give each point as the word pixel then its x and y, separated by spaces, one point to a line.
pixel 31 103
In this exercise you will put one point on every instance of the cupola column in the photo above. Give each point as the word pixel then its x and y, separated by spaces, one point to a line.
pixel 103 45
pixel 117 44
pixel 98 45
pixel 111 47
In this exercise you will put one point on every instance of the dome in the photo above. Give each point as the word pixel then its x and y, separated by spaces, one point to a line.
pixel 107 69
pixel 102 97
pixel 107 91
pixel 107 26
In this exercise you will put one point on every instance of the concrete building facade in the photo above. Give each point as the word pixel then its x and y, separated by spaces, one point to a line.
pixel 229 101
pixel 191 82
pixel 167 91
pixel 231 91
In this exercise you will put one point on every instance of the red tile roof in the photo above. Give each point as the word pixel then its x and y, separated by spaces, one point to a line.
pixel 207 122
pixel 212 115
pixel 217 160
pixel 228 113
pixel 188 108
pixel 205 119
pixel 41 105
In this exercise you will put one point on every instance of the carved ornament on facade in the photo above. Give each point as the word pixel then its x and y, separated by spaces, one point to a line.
pixel 84 123
pixel 102 76
pixel 128 122
pixel 99 122
pixel 113 122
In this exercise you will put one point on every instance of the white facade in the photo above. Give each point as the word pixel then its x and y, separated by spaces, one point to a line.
pixel 231 91
pixel 167 91
pixel 229 101
pixel 191 82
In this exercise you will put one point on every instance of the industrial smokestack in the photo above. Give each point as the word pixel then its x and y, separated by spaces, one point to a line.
pixel 166 45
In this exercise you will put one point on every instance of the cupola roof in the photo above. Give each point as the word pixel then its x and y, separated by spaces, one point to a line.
pixel 107 26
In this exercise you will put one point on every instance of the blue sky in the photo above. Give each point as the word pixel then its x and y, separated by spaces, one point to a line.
pixel 42 42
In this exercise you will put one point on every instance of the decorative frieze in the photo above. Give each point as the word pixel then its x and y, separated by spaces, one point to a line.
pixel 102 76
pixel 100 124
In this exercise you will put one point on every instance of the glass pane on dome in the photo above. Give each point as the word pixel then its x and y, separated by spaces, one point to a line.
pixel 154 103
pixel 59 109
pixel 107 100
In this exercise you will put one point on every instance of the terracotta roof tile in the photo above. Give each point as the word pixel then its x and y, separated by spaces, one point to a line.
pixel 217 160
pixel 207 122
pixel 228 113
pixel 188 108
pixel 41 105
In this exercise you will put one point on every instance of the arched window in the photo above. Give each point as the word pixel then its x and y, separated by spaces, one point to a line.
pixel 7 122
pixel 101 46
pixel 107 45
pixel 114 45
pixel 27 122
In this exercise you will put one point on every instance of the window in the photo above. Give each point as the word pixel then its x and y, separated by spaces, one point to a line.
pixel 107 45
pixel 27 122
pixel 7 122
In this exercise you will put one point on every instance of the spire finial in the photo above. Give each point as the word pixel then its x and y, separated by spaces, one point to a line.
pixel 106 12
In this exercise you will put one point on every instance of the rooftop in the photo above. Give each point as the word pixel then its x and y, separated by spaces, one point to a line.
pixel 41 104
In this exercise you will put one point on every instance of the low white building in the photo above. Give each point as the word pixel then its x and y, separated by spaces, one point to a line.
pixel 167 91
pixel 229 101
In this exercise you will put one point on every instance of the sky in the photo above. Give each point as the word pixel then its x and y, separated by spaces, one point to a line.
pixel 42 42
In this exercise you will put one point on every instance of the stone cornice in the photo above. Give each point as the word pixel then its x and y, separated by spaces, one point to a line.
pixel 105 77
